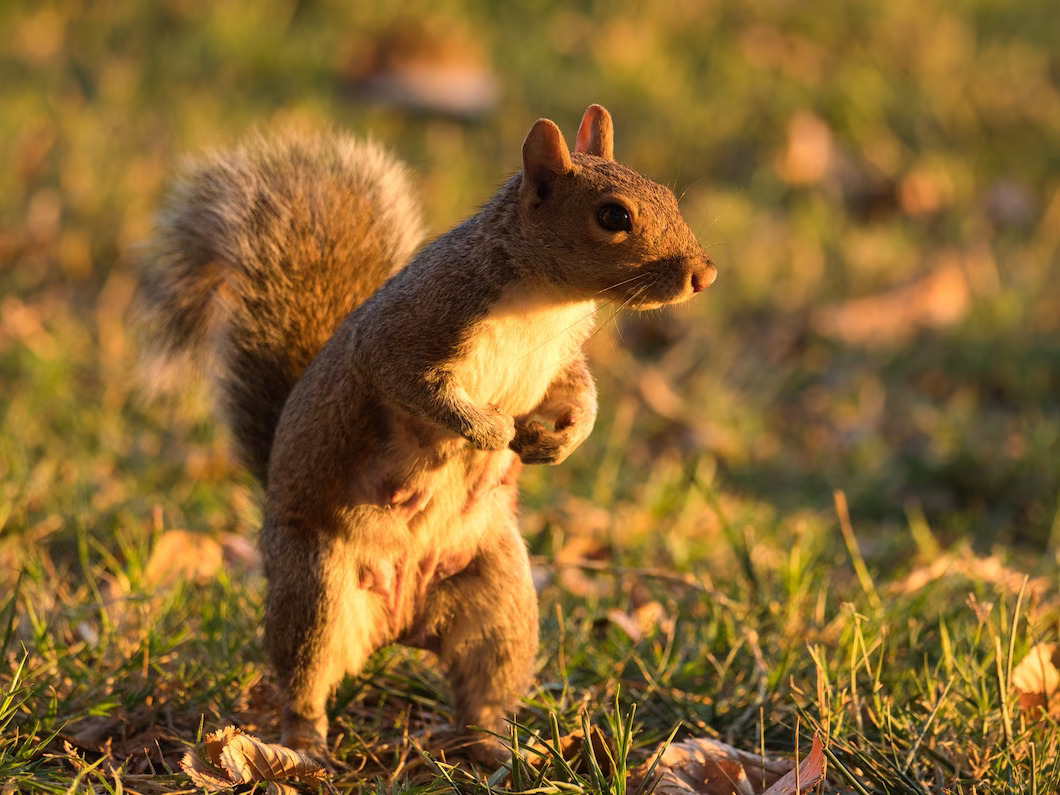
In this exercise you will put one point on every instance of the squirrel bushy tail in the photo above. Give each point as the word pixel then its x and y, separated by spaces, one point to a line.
pixel 257 256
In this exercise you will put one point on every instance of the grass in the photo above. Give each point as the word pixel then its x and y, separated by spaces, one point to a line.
pixel 828 160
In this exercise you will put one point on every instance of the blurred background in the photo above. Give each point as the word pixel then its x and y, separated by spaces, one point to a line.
pixel 879 185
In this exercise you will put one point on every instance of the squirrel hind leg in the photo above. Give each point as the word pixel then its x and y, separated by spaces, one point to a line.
pixel 484 620
pixel 319 627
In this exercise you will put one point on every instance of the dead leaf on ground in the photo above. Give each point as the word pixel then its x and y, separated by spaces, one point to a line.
pixel 576 550
pixel 965 563
pixel 809 151
pixel 806 776
pixel 180 555
pixel 643 621
pixel 937 300
pixel 229 757
pixel 702 766
pixel 572 748
pixel 1037 680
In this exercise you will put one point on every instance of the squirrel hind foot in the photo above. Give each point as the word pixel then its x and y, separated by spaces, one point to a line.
pixel 306 736
pixel 487 751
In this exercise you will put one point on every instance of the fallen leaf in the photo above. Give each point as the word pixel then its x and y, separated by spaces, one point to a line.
pixel 576 550
pixel 660 396
pixel 924 190
pixel 652 617
pixel 808 152
pixel 254 760
pixel 937 300
pixel 572 748
pixel 1037 680
pixel 643 621
pixel 702 766
pixel 229 757
pixel 179 555
pixel 806 776
pixel 963 562
pixel 625 622
pixel 426 66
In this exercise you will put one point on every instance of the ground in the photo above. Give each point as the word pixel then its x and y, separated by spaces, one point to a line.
pixel 820 499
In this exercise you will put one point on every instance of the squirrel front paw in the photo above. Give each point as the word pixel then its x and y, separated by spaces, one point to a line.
pixel 536 444
pixel 492 429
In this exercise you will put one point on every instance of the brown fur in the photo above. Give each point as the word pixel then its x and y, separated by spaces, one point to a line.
pixel 390 459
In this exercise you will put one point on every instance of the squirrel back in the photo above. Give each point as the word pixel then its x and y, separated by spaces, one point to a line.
pixel 258 255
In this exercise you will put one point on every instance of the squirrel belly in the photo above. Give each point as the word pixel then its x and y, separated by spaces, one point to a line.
pixel 386 401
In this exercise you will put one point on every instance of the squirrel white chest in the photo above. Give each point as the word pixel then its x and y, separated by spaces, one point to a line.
pixel 517 350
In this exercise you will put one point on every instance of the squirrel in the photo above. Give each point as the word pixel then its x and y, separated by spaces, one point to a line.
pixel 387 400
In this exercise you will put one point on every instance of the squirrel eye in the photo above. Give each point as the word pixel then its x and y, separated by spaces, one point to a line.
pixel 614 218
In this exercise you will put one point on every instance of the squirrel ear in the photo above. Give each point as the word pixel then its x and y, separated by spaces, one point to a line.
pixel 596 134
pixel 545 157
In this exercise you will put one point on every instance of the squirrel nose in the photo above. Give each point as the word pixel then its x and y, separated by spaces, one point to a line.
pixel 703 278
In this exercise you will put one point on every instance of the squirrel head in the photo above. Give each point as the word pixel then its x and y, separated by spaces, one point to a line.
pixel 600 230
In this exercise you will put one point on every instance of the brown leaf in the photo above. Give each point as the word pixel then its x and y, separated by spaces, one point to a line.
pixel 179 555
pixel 702 766
pixel 625 622
pixel 643 621
pixel 660 396
pixel 575 550
pixel 924 191
pixel 809 150
pixel 253 760
pixel 652 617
pixel 963 562
pixel 229 757
pixel 1037 680
pixel 204 768
pixel 804 778
pixel 939 299
pixel 572 748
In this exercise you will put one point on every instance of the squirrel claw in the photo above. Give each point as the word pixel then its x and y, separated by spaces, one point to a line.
pixel 535 444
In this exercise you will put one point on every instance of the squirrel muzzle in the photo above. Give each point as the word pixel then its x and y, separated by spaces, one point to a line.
pixel 670 281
